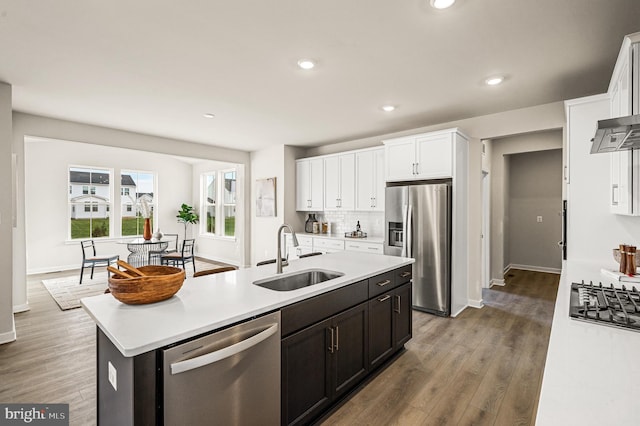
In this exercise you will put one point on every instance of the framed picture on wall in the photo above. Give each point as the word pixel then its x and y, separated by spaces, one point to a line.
pixel 266 197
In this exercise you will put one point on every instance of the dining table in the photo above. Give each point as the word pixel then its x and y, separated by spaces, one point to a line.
pixel 140 248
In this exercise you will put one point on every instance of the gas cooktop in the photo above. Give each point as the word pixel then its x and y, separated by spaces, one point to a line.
pixel 608 305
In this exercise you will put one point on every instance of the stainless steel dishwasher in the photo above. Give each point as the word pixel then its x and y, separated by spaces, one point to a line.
pixel 231 377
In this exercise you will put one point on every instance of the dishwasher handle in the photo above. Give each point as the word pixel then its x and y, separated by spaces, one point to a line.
pixel 210 358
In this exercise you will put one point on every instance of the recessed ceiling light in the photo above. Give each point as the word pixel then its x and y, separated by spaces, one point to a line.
pixel 208 115
pixel 442 4
pixel 494 81
pixel 306 64
pixel 388 108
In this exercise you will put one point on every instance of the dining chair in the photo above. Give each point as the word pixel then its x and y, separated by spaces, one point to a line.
pixel 214 271
pixel 184 256
pixel 172 247
pixel 315 253
pixel 267 262
pixel 92 259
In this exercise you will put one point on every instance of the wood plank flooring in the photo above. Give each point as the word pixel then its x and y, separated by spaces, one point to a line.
pixel 482 368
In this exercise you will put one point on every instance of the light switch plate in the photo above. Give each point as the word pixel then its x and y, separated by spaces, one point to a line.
pixel 113 376
pixel 539 219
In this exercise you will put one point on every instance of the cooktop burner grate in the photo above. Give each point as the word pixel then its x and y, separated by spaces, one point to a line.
pixel 614 306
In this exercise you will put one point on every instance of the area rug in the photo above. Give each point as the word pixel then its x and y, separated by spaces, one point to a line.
pixel 67 291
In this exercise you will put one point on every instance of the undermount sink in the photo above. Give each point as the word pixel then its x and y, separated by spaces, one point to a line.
pixel 298 280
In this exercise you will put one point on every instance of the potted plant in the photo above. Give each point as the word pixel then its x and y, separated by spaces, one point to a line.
pixel 187 215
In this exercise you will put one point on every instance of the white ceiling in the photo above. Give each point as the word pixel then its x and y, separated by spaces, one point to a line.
pixel 157 66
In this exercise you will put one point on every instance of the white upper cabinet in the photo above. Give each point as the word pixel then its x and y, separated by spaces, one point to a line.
pixel 339 182
pixel 370 181
pixel 424 156
pixel 309 181
pixel 624 196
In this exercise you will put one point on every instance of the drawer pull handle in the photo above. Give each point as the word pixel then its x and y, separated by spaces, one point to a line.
pixel 405 274
pixel 383 283
pixel 383 298
pixel 373 248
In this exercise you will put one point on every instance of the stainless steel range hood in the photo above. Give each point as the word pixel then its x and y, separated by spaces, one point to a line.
pixel 617 134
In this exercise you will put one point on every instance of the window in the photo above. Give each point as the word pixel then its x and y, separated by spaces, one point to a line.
pixel 219 203
pixel 136 191
pixel 89 202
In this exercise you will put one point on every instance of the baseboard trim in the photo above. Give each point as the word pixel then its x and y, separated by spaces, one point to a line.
pixel 21 308
pixel 534 268
pixel 455 314
pixel 9 336
pixel 50 269
pixel 496 281
pixel 476 303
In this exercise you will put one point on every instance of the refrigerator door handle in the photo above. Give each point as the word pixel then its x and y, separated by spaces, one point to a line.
pixel 405 209
pixel 409 230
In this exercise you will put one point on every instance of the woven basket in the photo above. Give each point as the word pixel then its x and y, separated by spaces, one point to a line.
pixel 159 283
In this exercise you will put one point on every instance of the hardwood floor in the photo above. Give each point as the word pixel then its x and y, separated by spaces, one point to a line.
pixel 482 368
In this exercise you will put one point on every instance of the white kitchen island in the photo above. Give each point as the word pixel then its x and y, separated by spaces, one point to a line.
pixel 329 337
pixel 592 372
pixel 214 301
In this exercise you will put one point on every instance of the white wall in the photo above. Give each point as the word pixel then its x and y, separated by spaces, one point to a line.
pixel 47 162
pixel 535 190
pixel 224 249
pixel 592 231
pixel 500 149
pixel 7 329
pixel 37 126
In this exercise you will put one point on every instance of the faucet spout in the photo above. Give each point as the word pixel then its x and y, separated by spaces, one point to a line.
pixel 279 263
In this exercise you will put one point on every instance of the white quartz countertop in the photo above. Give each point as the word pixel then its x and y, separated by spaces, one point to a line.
pixel 592 372
pixel 210 302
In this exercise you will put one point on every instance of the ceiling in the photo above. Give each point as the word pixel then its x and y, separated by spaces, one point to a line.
pixel 157 66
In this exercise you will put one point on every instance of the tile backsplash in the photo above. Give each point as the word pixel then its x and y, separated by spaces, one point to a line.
pixel 345 221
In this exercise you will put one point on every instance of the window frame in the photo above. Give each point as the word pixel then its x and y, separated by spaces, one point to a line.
pixel 90 207
pixel 135 207
pixel 219 204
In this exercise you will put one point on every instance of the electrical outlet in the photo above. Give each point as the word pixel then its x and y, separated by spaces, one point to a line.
pixel 539 219
pixel 113 376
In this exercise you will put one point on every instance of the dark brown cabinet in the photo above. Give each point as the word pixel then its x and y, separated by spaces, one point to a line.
pixel 389 323
pixel 321 363
pixel 331 342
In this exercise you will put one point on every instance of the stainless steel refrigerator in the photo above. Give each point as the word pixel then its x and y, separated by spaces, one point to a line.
pixel 418 225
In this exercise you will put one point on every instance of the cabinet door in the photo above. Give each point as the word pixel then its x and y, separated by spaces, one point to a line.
pixel 364 183
pixel 402 325
pixel 378 180
pixel 350 349
pixel 347 181
pixel 400 160
pixel 316 186
pixel 381 341
pixel 306 390
pixel 303 185
pixel 331 183
pixel 434 157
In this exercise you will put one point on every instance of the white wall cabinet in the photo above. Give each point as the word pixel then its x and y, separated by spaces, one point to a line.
pixel 309 184
pixel 339 182
pixel 624 197
pixel 418 157
pixel 370 180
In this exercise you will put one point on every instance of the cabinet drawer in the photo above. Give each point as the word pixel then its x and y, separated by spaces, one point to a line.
pixel 326 243
pixel 363 246
pixel 303 241
pixel 381 283
pixel 403 275
pixel 302 314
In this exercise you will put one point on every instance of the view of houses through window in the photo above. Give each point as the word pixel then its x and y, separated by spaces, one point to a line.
pixel 90 201
pixel 219 203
